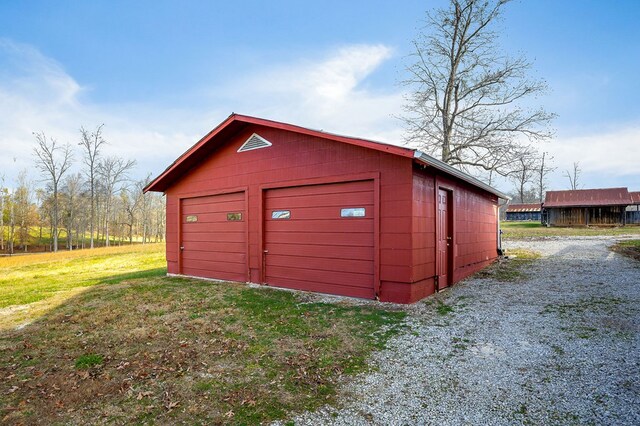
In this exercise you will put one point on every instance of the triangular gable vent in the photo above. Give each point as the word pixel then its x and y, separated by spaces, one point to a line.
pixel 254 142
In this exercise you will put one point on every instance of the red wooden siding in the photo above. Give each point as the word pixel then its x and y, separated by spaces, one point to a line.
pixel 474 229
pixel 316 249
pixel 303 160
pixel 214 247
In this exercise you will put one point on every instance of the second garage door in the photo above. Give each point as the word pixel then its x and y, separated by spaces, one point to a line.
pixel 213 237
pixel 321 238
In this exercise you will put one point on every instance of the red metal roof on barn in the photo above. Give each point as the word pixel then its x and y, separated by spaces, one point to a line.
pixel 523 208
pixel 236 122
pixel 588 197
pixel 635 197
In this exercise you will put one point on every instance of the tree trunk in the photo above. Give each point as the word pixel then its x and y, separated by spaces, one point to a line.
pixel 55 217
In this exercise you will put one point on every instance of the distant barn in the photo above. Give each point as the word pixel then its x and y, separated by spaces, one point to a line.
pixel 282 205
pixel 586 207
pixel 633 210
pixel 530 211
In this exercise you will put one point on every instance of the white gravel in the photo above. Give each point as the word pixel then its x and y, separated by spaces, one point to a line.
pixel 560 347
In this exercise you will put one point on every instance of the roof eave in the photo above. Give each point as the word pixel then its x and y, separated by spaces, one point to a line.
pixel 442 166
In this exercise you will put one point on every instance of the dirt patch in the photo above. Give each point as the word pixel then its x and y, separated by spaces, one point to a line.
pixel 629 248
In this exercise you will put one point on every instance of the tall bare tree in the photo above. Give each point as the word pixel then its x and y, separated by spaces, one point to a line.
pixel 2 196
pixel 12 221
pixel 53 161
pixel 523 175
pixel 145 205
pixel 24 210
pixel 574 176
pixel 71 191
pixel 544 168
pixel 113 173
pixel 467 100
pixel 131 201
pixel 91 143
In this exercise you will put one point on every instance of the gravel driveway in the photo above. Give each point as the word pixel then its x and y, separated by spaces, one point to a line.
pixel 560 347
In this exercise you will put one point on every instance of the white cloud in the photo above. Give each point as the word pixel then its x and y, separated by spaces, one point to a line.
pixel 331 92
pixel 37 94
pixel 615 152
pixel 327 93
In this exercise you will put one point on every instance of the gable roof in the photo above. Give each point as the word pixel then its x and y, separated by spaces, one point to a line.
pixel 236 122
pixel 635 197
pixel 523 208
pixel 588 197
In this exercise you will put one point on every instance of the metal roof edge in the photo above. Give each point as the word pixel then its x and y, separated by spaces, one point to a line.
pixel 440 165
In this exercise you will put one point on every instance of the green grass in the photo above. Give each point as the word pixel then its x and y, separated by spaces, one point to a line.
pixel 512 268
pixel 89 360
pixel 442 308
pixel 129 346
pixel 31 278
pixel 518 230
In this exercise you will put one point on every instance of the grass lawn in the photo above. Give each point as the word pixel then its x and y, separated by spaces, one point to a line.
pixel 629 248
pixel 516 230
pixel 51 278
pixel 124 344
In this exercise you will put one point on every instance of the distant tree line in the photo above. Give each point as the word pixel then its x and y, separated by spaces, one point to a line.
pixel 97 203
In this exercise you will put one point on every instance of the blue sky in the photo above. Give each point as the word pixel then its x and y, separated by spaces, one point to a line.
pixel 160 74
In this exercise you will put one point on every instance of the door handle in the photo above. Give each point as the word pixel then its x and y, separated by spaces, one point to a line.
pixel 181 248
pixel 265 251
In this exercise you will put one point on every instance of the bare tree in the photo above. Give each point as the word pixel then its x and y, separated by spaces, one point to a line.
pixel 523 175
pixel 91 143
pixel 113 172
pixel 544 168
pixel 574 176
pixel 71 192
pixel 131 201
pixel 2 195
pixel 24 211
pixel 12 222
pixel 145 206
pixel 53 161
pixel 466 102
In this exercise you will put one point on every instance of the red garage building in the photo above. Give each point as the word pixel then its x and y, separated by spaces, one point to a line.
pixel 273 203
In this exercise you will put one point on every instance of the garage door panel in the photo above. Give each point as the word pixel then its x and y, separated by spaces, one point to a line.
pixel 221 257
pixel 326 251
pixel 199 227
pixel 214 247
pixel 213 199
pixel 322 226
pixel 310 190
pixel 218 266
pixel 326 277
pixel 325 200
pixel 206 246
pixel 331 288
pixel 324 238
pixel 212 212
pixel 224 237
pixel 315 248
pixel 311 212
pixel 322 263
pixel 216 217
pixel 206 273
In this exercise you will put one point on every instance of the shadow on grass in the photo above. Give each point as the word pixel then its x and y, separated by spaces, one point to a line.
pixel 148 273
pixel 142 348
